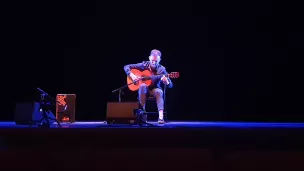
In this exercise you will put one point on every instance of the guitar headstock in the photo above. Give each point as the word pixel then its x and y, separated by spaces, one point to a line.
pixel 173 74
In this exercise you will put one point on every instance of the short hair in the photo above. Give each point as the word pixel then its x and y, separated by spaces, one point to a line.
pixel 155 51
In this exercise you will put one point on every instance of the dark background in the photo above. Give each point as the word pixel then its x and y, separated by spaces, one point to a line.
pixel 236 61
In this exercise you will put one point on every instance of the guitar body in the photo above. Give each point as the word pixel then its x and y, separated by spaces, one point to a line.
pixel 145 73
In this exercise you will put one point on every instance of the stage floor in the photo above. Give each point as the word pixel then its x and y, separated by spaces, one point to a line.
pixel 173 134
pixel 178 124
pixel 186 145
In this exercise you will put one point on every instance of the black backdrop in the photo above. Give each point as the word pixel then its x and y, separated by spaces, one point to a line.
pixel 232 67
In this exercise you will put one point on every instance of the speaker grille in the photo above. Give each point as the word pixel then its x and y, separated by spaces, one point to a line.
pixel 121 110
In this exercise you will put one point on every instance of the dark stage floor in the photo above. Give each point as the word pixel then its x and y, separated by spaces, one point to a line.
pixel 176 145
pixel 173 134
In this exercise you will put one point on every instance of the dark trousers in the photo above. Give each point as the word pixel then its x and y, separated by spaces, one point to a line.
pixel 143 92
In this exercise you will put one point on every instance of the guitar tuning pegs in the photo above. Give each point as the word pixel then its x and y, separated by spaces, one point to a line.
pixel 174 74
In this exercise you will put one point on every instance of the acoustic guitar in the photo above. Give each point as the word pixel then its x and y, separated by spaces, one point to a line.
pixel 146 77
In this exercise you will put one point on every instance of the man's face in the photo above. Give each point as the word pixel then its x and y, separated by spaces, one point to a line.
pixel 154 59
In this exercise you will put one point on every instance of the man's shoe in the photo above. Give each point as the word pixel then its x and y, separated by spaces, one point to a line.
pixel 161 121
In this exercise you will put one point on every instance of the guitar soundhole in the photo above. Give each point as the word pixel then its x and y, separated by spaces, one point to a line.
pixel 144 80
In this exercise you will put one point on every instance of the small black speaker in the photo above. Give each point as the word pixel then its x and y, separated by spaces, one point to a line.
pixel 27 112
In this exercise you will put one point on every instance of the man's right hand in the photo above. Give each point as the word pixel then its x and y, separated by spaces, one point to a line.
pixel 134 77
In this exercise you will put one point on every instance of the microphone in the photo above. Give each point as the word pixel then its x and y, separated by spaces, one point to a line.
pixel 41 91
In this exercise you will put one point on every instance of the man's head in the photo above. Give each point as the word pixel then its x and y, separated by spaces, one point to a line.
pixel 155 57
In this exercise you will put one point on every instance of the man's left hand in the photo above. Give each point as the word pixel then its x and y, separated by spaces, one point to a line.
pixel 165 80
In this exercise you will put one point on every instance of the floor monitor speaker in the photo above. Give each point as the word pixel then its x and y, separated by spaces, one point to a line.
pixel 121 112
pixel 26 112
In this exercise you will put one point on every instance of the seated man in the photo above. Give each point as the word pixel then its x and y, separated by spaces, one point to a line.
pixel 155 88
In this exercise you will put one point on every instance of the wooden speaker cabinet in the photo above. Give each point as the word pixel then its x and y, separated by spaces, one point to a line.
pixel 121 112
pixel 65 107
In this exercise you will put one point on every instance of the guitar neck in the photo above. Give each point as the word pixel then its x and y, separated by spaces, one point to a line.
pixel 155 76
pixel 159 76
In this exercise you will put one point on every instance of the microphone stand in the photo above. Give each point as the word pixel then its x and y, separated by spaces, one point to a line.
pixel 119 93
pixel 44 106
pixel 120 90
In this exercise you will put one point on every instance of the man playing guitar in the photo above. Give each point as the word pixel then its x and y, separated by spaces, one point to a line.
pixel 154 89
